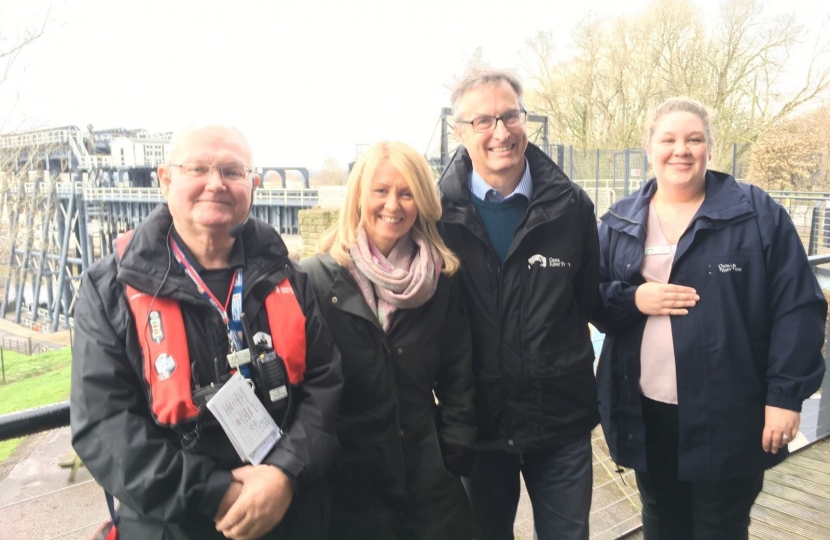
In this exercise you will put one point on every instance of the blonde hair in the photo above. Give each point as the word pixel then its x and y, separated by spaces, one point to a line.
pixel 340 238
pixel 682 104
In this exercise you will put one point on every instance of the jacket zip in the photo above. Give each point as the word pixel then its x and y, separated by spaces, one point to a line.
pixel 616 215
pixel 556 216
pixel 494 256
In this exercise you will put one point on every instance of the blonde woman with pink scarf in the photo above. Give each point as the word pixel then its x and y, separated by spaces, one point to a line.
pixel 384 281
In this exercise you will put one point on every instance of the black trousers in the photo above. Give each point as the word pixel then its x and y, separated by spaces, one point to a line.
pixel 677 510
pixel 558 482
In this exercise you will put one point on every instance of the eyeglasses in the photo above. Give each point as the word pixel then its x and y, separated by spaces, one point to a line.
pixel 486 124
pixel 231 173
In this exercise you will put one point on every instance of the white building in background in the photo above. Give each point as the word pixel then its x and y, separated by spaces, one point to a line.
pixel 150 151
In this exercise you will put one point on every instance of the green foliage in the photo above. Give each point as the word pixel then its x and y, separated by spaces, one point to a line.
pixel 7 447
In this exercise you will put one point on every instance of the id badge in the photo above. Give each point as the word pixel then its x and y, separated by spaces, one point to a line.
pixel 659 250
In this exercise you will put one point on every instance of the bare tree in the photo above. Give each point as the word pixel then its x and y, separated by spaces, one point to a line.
pixel 475 58
pixel 332 174
pixel 21 211
pixel 793 154
pixel 12 44
pixel 621 67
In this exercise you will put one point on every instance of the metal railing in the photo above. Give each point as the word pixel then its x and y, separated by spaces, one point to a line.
pixel 284 197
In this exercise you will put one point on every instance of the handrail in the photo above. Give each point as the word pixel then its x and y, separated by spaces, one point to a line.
pixel 31 421
pixel 816 260
pixel 154 194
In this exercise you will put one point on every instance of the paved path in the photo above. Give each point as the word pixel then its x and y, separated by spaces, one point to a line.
pixel 55 340
pixel 36 500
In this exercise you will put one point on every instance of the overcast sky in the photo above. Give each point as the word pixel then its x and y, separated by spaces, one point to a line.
pixel 305 80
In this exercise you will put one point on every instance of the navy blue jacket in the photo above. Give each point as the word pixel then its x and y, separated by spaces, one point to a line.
pixel 755 337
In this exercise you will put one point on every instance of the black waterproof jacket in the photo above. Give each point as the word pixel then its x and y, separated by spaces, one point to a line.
pixel 753 339
pixel 392 479
pixel 532 352
pixel 166 491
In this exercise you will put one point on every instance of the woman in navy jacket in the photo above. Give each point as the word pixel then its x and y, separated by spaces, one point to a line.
pixel 714 328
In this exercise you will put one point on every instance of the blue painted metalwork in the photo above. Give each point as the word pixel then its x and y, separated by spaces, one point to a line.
pixel 78 225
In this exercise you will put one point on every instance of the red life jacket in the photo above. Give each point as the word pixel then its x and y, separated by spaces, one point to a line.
pixel 166 359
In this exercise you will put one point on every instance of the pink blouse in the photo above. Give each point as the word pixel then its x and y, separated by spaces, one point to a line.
pixel 658 377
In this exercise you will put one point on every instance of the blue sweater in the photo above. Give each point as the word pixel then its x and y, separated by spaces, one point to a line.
pixel 500 220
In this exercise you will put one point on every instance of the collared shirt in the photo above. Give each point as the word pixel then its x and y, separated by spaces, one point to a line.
pixel 484 191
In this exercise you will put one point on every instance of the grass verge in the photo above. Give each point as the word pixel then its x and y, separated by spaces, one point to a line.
pixel 33 381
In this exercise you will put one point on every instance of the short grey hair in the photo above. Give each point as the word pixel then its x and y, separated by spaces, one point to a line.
pixel 477 76
pixel 682 104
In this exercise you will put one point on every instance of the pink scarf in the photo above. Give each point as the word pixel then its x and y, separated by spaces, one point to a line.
pixel 406 279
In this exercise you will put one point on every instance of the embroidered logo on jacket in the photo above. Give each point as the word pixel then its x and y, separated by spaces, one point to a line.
pixel 540 259
pixel 546 262
pixel 729 267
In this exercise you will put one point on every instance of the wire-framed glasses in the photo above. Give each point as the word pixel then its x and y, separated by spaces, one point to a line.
pixel 231 173
pixel 486 124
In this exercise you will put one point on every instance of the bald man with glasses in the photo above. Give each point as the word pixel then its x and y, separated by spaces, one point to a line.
pixel 199 308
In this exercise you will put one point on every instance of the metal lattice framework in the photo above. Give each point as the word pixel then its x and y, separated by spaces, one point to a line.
pixel 58 229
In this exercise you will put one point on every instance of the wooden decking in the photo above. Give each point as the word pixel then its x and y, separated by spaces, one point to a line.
pixel 795 501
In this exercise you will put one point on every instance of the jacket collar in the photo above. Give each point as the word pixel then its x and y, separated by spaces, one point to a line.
pixel 723 203
pixel 630 215
pixel 549 184
pixel 548 178
pixel 147 257
pixel 345 289
pixel 551 190
pixel 725 200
